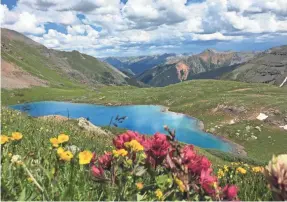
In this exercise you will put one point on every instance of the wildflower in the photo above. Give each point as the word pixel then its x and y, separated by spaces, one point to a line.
pixel 230 192
pixel 207 181
pixel 276 175
pixel 158 193
pixel 139 185
pixel 225 167
pixel 30 179
pixel 4 139
pixel 16 159
pixel 85 157
pixel 220 173
pixel 66 156
pixel 180 184
pixel 157 148
pixel 134 145
pixel 120 152
pixel 54 141
pixel 257 169
pixel 16 136
pixel 129 162
pixel 120 140
pixel 63 138
pixel 106 160
pixel 10 154
pixel 241 170
pixel 97 171
pixel 60 150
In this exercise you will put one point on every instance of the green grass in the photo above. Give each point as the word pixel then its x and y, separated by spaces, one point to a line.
pixel 70 181
pixel 195 98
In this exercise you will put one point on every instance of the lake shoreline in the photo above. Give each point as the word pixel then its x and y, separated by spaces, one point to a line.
pixel 235 148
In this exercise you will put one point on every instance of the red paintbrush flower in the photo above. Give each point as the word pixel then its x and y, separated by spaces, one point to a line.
pixel 106 160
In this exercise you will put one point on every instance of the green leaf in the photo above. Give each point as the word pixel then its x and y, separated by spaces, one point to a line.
pixel 139 171
pixel 22 195
pixel 140 197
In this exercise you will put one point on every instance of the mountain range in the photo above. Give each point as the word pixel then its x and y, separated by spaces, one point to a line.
pixel 194 67
pixel 27 63
pixel 267 67
pixel 138 64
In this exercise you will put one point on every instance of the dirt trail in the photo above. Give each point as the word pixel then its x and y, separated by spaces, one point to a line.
pixel 239 90
pixel 13 77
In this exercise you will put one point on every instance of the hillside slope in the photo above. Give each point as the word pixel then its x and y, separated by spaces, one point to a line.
pixel 227 108
pixel 52 67
pixel 268 67
pixel 186 68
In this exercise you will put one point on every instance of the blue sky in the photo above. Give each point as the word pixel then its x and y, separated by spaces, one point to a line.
pixel 143 27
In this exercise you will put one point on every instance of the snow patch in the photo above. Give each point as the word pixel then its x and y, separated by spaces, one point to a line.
pixel 262 117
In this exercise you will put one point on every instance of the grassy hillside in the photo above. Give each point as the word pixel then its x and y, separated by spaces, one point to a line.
pixel 59 68
pixel 200 99
pixel 54 179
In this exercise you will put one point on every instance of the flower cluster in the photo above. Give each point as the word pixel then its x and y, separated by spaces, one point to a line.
pixel 276 175
pixel 139 155
pixel 15 136
pixel 59 140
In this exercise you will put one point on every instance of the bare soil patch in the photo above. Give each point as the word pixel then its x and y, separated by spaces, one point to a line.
pixel 12 77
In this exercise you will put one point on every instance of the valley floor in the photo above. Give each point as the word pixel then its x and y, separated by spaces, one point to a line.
pixel 227 108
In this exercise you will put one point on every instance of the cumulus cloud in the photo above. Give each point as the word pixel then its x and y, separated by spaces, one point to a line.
pixel 140 25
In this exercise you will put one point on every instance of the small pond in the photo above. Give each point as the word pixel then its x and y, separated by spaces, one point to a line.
pixel 146 119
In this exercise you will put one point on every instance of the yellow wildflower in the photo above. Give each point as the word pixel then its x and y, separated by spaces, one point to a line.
pixel 85 157
pixel 4 139
pixel 60 150
pixel 225 167
pixel 63 138
pixel 66 156
pixel 120 152
pixel 134 146
pixel 241 170
pixel 54 141
pixel 180 184
pixel 129 162
pixel 139 185
pixel 30 179
pixel 158 193
pixel 16 136
pixel 220 173
pixel 257 169
pixel 10 154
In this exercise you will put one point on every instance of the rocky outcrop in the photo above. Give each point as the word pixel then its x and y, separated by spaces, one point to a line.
pixel 268 67
pixel 88 126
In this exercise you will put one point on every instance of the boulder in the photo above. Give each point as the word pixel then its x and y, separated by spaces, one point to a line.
pixel 284 127
pixel 87 125
pixel 262 117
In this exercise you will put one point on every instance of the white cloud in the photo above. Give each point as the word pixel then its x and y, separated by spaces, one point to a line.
pixel 140 24
pixel 25 23
pixel 214 36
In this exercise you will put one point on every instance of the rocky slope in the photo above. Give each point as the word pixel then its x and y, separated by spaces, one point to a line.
pixel 139 64
pixel 32 64
pixel 184 68
pixel 268 67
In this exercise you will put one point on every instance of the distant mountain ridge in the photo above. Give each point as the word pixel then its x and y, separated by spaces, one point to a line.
pixel 183 68
pixel 269 67
pixel 23 56
pixel 138 64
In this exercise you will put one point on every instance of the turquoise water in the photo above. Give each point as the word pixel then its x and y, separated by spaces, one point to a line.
pixel 146 119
